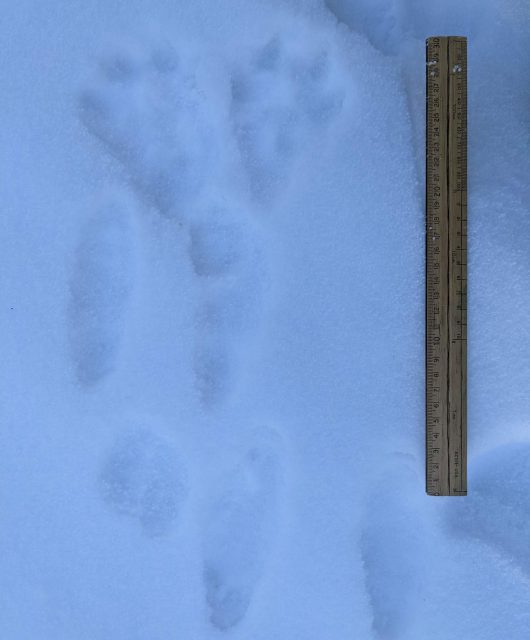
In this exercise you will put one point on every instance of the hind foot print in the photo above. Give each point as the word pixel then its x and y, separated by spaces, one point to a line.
pixel 497 509
pixel 239 531
pixel 100 290
pixel 392 549
pixel 142 478
pixel 151 114
pixel 282 102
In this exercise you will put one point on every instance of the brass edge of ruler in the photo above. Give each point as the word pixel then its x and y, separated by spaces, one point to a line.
pixel 446 266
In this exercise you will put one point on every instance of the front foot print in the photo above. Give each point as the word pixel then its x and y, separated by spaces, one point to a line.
pixel 227 259
pixel 142 478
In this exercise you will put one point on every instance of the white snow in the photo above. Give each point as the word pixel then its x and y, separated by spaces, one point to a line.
pixel 211 404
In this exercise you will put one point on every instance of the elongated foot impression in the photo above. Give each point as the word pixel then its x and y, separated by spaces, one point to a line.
pixel 290 91
pixel 150 113
pixel 239 532
pixel 142 477
pixel 100 289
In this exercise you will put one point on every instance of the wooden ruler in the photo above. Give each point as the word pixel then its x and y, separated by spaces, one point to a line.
pixel 446 267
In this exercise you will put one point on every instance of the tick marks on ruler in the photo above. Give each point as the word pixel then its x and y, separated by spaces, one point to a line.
pixel 446 266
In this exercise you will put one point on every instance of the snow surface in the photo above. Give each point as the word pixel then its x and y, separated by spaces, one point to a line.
pixel 212 366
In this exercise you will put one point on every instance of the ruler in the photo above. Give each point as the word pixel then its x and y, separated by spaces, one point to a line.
pixel 446 267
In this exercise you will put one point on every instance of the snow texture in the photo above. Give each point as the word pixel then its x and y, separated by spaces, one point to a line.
pixel 101 285
pixel 212 374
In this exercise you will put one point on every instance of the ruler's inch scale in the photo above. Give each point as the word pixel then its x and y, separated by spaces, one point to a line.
pixel 446 266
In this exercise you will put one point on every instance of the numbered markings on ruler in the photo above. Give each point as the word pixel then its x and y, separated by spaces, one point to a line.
pixel 446 272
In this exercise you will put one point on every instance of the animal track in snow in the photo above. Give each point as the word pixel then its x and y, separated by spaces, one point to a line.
pixel 392 551
pixel 225 255
pixel 217 244
pixel 239 529
pixel 497 510
pixel 142 477
pixel 150 112
pixel 283 99
pixel 100 289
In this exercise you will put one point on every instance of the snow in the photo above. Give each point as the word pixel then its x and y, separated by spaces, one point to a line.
pixel 212 367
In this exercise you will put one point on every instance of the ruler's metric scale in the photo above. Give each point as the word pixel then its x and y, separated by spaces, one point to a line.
pixel 446 267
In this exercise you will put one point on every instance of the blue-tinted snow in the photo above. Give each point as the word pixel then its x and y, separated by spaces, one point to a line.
pixel 212 282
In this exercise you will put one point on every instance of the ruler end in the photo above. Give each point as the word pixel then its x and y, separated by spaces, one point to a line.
pixel 440 38
pixel 430 492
